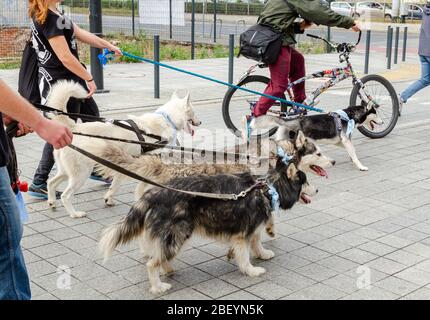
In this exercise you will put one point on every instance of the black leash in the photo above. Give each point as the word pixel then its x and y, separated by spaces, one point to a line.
pixel 130 127
pixel 133 175
pixel 163 144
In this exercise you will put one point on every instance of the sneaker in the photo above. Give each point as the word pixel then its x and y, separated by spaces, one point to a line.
pixel 97 177
pixel 401 103
pixel 41 191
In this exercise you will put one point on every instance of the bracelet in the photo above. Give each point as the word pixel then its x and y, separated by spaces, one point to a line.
pixel 92 79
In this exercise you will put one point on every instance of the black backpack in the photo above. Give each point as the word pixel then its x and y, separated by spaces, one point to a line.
pixel 28 81
pixel 261 43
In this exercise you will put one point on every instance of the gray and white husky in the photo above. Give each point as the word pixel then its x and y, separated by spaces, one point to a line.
pixel 324 128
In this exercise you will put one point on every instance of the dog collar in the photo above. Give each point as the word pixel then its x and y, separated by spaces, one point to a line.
pixel 344 117
pixel 286 158
pixel 274 195
pixel 172 124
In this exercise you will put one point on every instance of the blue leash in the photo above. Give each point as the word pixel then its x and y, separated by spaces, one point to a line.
pixel 108 56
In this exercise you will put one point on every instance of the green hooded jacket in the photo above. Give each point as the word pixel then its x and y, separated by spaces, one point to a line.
pixel 281 16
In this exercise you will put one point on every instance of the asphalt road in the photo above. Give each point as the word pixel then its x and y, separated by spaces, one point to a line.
pixel 204 31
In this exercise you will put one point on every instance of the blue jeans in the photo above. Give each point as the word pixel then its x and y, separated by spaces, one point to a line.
pixel 420 84
pixel 14 282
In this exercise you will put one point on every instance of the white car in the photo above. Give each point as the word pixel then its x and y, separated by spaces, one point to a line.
pixel 344 8
pixel 375 9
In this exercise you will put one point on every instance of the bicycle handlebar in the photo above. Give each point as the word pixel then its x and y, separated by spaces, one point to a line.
pixel 340 47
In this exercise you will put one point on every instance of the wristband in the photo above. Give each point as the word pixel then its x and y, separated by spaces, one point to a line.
pixel 91 80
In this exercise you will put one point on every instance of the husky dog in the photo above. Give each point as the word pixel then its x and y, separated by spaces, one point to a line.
pixel 305 154
pixel 176 115
pixel 167 219
pixel 325 128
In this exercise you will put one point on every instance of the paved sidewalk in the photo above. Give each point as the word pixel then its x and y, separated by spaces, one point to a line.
pixel 375 223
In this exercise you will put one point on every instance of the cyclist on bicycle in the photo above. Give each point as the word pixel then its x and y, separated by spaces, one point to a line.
pixel 281 15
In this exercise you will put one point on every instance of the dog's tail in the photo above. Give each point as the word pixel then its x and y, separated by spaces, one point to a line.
pixel 125 230
pixel 62 91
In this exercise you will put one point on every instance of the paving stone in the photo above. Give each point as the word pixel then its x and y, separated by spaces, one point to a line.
pixel 357 255
pixel 316 272
pixel 50 250
pixel 290 261
pixel 79 243
pixel 70 259
pixel 293 281
pixel 62 234
pixel 195 256
pixel 419 249
pixel 420 294
pixel 47 225
pixel 337 264
pixel 108 283
pixel 343 283
pixel 190 276
pixel 241 280
pixel 89 271
pixel 404 257
pixel 268 290
pixel 118 262
pixel 215 288
pixel 40 268
pixel 374 293
pixel 311 253
pixel 240 295
pixel 216 267
pixel 397 286
pixel 185 294
pixel 332 246
pixel 79 291
pixel 415 275
pixel 35 240
pixel 318 291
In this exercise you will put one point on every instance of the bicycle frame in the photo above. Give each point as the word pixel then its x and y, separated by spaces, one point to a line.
pixel 335 76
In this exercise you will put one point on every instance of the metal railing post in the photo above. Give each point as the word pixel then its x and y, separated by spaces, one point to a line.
pixel 156 67
pixel 170 20
pixel 133 24
pixel 405 42
pixel 96 27
pixel 390 48
pixel 193 28
pixel 388 40
pixel 396 45
pixel 231 59
pixel 215 19
pixel 367 57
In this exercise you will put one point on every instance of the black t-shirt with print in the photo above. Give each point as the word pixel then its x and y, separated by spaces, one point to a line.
pixel 4 147
pixel 51 69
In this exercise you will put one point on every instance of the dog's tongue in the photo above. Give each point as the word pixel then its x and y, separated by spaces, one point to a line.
pixel 320 171
pixel 190 128
pixel 306 199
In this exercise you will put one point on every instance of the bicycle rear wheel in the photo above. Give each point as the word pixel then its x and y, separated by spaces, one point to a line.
pixel 237 104
pixel 384 94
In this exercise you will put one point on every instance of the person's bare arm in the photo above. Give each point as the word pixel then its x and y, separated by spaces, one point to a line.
pixel 19 109
pixel 93 40
pixel 62 51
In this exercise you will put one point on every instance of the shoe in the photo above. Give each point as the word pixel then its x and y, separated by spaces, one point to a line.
pixel 97 177
pixel 401 103
pixel 41 191
pixel 296 111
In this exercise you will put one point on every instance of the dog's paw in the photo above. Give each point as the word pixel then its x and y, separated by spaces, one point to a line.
pixel 166 270
pixel 109 202
pixel 78 214
pixel 52 204
pixel 266 255
pixel 162 288
pixel 230 254
pixel 363 168
pixel 255 271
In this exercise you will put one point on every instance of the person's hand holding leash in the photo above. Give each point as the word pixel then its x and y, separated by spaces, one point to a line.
pixel 92 87
pixel 356 27
pixel 115 49
pixel 54 133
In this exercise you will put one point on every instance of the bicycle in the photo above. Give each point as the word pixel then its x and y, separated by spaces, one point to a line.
pixel 363 93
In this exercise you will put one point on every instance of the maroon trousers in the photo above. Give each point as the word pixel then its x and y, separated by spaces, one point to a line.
pixel 290 66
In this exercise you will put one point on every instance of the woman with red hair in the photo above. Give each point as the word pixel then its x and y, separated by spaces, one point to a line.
pixel 53 37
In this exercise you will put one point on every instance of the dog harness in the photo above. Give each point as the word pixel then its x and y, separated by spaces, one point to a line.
pixel 172 124
pixel 286 158
pixel 340 116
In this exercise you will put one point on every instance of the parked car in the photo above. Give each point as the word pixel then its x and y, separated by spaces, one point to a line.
pixel 375 9
pixel 415 12
pixel 344 8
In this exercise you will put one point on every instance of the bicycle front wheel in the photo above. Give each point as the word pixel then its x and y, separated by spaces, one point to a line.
pixel 238 103
pixel 384 95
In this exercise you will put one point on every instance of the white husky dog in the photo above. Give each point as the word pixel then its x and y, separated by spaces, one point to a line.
pixel 175 116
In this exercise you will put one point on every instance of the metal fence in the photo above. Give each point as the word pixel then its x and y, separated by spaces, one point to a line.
pixel 212 22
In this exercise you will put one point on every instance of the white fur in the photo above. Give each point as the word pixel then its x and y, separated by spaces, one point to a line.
pixel 76 168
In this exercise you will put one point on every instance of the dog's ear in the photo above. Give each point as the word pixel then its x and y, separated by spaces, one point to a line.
pixel 300 140
pixel 175 95
pixel 291 171
pixel 188 97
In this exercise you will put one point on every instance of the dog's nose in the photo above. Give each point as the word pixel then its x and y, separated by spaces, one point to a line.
pixel 333 162
pixel 316 190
